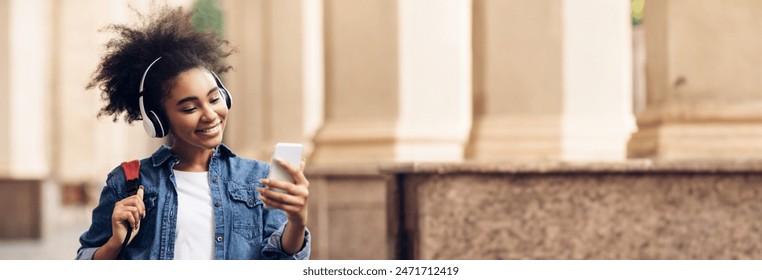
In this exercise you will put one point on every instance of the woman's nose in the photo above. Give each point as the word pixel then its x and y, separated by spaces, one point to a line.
pixel 208 113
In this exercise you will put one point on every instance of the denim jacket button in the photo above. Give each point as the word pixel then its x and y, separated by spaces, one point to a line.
pixel 251 200
pixel 219 238
pixel 217 204
pixel 215 180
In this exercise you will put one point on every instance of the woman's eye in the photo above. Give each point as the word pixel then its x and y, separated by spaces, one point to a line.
pixel 215 100
pixel 189 109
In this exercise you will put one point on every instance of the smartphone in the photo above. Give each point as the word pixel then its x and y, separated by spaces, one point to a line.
pixel 290 153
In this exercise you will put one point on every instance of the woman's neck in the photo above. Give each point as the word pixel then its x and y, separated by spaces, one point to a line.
pixel 192 160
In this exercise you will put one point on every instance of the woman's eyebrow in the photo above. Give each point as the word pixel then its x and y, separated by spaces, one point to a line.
pixel 193 98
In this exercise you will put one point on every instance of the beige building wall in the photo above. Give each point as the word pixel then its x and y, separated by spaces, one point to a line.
pixel 704 95
pixel 360 80
pixel 517 89
pixel 392 81
pixel 381 80
pixel 277 79
pixel 397 80
pixel 96 145
pixel 48 52
pixel 26 81
pixel 551 80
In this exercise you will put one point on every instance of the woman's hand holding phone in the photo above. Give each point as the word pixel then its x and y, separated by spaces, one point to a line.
pixel 287 187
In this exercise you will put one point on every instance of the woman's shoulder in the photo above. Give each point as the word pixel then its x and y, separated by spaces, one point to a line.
pixel 117 174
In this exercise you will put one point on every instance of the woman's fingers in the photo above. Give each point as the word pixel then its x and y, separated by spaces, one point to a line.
pixel 131 209
pixel 297 199
pixel 285 186
pixel 297 174
pixel 294 200
pixel 294 194
pixel 290 208
pixel 141 204
pixel 126 213
pixel 289 203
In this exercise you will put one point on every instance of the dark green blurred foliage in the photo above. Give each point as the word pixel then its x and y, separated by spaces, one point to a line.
pixel 207 16
pixel 637 11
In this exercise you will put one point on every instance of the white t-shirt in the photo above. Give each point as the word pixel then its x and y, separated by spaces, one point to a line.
pixel 195 217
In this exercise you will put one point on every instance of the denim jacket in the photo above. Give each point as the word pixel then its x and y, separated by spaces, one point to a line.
pixel 243 227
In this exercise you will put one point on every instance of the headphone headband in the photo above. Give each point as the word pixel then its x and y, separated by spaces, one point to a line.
pixel 143 80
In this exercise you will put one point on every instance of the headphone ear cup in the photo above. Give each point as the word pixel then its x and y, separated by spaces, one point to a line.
pixel 223 91
pixel 161 128
pixel 226 95
pixel 152 123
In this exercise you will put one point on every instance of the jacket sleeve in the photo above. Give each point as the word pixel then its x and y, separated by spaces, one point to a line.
pixel 275 223
pixel 273 249
pixel 100 227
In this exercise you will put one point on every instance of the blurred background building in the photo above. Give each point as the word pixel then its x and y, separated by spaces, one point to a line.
pixel 435 129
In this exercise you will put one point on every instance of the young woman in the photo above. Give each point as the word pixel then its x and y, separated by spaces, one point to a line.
pixel 197 199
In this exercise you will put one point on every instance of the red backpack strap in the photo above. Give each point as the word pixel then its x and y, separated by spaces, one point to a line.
pixel 132 175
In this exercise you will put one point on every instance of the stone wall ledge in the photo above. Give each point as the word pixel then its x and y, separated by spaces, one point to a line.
pixel 560 167
pixel 632 209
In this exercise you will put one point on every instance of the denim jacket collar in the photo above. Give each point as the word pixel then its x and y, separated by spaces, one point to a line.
pixel 164 153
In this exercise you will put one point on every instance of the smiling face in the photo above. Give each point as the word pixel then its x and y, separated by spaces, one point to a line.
pixel 196 111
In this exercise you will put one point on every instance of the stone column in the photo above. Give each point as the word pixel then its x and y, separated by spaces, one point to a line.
pixel 276 81
pixel 25 78
pixel 551 80
pixel 704 95
pixel 5 86
pixel 597 67
pixel 397 81
pixel 517 80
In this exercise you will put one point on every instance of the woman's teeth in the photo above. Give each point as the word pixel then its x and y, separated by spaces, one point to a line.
pixel 215 128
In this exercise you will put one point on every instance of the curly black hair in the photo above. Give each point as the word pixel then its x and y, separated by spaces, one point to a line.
pixel 167 33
